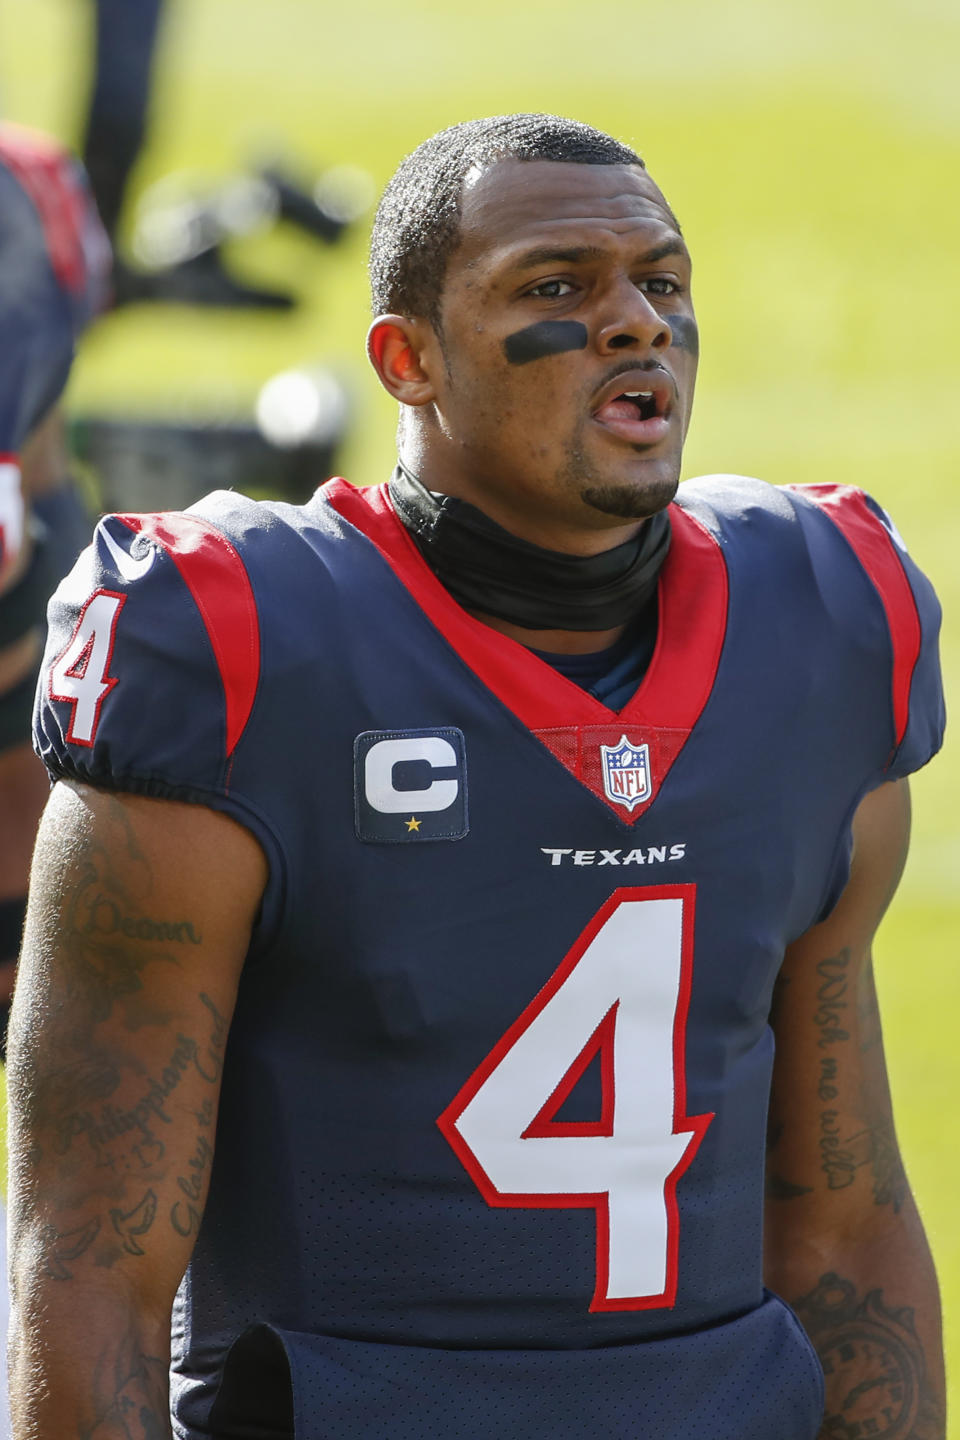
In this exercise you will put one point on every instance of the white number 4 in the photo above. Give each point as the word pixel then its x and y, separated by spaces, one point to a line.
pixel 622 992
pixel 79 674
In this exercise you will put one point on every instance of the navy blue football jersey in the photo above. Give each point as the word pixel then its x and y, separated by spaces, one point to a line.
pixel 491 1140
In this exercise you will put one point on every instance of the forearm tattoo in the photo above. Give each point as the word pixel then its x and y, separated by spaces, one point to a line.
pixel 124 1143
pixel 113 1149
pixel 876 1382
pixel 133 1402
pixel 844 1007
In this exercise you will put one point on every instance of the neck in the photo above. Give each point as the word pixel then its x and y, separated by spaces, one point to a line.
pixel 555 642
pixel 549 599
pixel 572 531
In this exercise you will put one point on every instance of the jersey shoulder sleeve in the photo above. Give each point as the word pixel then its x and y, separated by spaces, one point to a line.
pixel 907 603
pixel 152 663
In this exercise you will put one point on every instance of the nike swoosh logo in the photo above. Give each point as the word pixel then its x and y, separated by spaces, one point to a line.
pixel 129 567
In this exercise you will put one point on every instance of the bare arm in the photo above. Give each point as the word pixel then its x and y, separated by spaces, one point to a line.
pixel 138 925
pixel 23 781
pixel 844 1242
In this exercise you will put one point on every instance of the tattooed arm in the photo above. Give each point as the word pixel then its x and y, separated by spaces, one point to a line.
pixel 844 1243
pixel 138 924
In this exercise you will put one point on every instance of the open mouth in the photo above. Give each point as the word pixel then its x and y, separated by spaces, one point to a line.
pixel 636 406
pixel 633 403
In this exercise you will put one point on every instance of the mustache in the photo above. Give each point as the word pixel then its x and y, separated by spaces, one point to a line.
pixel 648 366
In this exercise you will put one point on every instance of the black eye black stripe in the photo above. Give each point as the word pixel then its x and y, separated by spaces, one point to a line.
pixel 547 337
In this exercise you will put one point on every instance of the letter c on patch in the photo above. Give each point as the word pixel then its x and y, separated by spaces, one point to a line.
pixel 381 761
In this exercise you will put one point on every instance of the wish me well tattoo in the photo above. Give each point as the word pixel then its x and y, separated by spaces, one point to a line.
pixel 844 1150
pixel 876 1380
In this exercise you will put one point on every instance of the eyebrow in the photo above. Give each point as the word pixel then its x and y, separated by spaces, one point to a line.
pixel 577 254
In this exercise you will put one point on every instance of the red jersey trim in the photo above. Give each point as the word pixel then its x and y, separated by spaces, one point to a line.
pixel 693 599
pixel 217 579
pixel 48 176
pixel 874 547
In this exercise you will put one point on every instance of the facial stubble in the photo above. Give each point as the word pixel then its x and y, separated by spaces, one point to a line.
pixel 622 500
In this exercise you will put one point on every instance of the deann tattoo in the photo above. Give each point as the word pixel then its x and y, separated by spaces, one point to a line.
pixel 113 939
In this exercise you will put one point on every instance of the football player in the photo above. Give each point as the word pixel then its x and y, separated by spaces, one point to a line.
pixel 429 871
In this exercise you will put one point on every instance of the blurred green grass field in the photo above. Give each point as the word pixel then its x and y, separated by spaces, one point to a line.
pixel 812 151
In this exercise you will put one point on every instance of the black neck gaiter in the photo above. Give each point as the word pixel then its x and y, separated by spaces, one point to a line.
pixel 485 568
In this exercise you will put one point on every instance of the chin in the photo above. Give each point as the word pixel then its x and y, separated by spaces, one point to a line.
pixel 631 501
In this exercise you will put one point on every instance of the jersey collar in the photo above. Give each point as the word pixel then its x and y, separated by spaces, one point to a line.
pixel 692 602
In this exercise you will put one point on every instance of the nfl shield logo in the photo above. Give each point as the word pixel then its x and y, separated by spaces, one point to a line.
pixel 626 772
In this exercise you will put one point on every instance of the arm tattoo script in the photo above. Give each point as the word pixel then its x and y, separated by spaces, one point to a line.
pixel 112 936
pixel 126 1143
pixel 842 1155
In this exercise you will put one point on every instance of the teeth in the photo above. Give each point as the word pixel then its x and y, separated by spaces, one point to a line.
pixel 638 394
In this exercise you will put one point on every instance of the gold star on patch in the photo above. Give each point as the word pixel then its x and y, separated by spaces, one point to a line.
pixel 413 823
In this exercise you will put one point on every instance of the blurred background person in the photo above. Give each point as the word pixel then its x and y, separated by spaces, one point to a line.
pixel 54 261
pixel 125 38
pixel 117 120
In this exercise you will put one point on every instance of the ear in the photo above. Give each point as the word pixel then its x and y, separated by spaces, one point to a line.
pixel 398 350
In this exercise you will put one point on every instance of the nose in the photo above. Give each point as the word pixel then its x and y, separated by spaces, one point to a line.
pixel 632 323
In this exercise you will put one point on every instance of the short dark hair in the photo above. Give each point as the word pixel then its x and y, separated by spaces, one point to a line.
pixel 417 226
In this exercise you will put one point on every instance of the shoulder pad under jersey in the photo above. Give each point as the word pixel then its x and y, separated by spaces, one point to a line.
pixel 152 661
